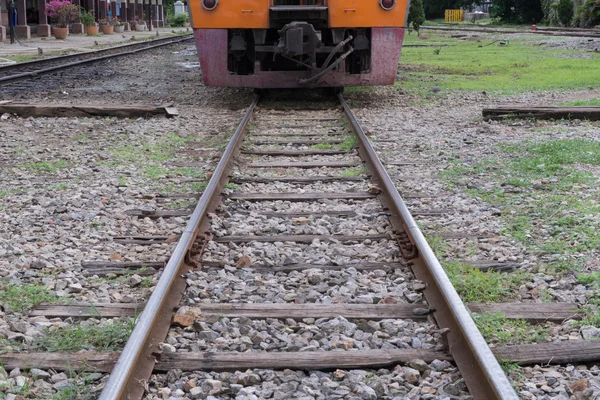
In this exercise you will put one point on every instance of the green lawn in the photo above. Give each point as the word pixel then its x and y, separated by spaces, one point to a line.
pixel 517 67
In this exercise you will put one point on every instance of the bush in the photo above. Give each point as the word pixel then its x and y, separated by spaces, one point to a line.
pixel 550 13
pixel 565 12
pixel 179 20
pixel 416 15
pixel 517 11
pixel 588 15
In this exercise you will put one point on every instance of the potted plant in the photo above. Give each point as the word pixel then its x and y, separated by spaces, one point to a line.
pixel 119 26
pixel 62 13
pixel 107 25
pixel 88 19
pixel 140 25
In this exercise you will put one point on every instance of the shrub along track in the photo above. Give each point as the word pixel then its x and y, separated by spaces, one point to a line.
pixel 338 255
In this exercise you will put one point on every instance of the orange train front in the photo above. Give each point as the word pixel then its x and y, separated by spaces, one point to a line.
pixel 298 43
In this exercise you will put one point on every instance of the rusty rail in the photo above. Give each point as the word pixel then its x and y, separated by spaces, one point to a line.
pixel 129 373
pixel 478 365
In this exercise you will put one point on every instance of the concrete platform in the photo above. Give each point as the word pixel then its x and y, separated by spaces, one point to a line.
pixel 76 42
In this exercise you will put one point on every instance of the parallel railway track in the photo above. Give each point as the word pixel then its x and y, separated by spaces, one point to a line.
pixel 399 235
pixel 27 70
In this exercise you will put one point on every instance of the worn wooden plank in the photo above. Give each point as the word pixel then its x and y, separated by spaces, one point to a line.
pixel 293 214
pixel 68 110
pixel 145 240
pixel 567 352
pixel 573 352
pixel 186 164
pixel 532 312
pixel 401 163
pixel 300 238
pixel 296 142
pixel 298 135
pixel 85 310
pixel 487 265
pixel 544 112
pixel 290 118
pixel 299 311
pixel 311 360
pixel 330 267
pixel 255 311
pixel 89 361
pixel 105 271
pixel 123 264
pixel 464 235
pixel 305 164
pixel 337 213
pixel 155 214
pixel 386 266
pixel 225 361
pixel 300 196
pixel 296 179
pixel 295 153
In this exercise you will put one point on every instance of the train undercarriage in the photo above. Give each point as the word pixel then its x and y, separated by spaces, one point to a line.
pixel 299 49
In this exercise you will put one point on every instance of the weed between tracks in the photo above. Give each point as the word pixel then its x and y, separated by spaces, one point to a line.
pixel 49 167
pixel 497 329
pixel 18 298
pixel 546 193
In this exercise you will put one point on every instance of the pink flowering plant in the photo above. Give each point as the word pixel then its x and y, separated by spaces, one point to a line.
pixel 62 12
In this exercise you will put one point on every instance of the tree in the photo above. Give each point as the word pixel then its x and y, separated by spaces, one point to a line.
pixel 517 11
pixel 416 14
pixel 565 12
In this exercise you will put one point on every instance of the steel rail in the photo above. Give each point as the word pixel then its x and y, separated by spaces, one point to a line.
pixel 31 74
pixel 476 362
pixel 121 382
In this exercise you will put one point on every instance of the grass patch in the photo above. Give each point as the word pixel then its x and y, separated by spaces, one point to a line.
pixel 497 329
pixel 579 103
pixel 155 171
pixel 348 144
pixel 589 279
pixel 541 195
pixel 111 335
pixel 50 167
pixel 6 192
pixel 60 187
pixel 24 58
pixel 482 66
pixel 474 285
pixel 18 298
pixel 322 146
pixel 353 172
pixel 592 312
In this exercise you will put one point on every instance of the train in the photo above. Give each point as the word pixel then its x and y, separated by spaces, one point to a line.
pixel 266 44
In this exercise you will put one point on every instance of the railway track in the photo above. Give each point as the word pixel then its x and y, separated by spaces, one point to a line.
pixel 583 33
pixel 27 70
pixel 302 256
pixel 338 225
